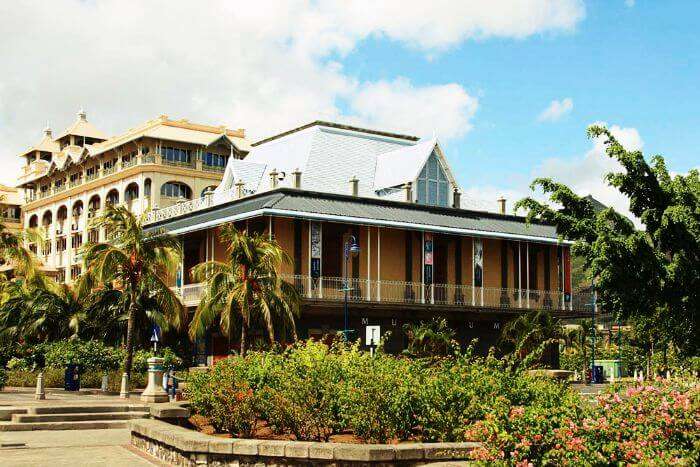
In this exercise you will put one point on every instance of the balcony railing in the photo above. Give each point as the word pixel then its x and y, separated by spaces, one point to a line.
pixel 416 293
pixel 106 171
pixel 193 205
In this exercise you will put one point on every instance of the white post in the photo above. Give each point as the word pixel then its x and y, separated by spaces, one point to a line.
pixel 105 382
pixel 154 391
pixel 527 274
pixel 520 275
pixel 124 390
pixel 40 394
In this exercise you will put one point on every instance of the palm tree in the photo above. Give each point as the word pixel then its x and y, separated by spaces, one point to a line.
pixel 137 263
pixel 246 287
pixel 531 331
pixel 576 339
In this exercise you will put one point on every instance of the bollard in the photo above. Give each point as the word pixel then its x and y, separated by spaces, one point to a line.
pixel 40 394
pixel 612 376
pixel 668 375
pixel 105 383
pixel 154 390
pixel 124 391
pixel 641 376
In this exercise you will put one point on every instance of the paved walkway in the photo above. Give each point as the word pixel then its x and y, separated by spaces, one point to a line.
pixel 70 448
pixel 67 448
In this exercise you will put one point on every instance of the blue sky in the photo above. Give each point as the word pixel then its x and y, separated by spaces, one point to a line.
pixel 478 74
pixel 633 66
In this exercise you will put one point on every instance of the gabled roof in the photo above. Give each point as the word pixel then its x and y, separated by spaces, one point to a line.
pixel 170 130
pixel 47 144
pixel 81 127
pixel 328 156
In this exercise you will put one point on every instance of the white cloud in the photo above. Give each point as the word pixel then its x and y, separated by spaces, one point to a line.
pixel 585 174
pixel 629 3
pixel 556 110
pixel 263 66
pixel 400 106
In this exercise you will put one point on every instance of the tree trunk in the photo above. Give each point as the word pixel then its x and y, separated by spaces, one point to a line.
pixel 270 333
pixel 130 338
pixel 244 335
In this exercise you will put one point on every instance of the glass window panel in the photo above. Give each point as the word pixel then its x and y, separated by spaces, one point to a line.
pixel 432 192
pixel 442 195
pixel 421 191
pixel 432 168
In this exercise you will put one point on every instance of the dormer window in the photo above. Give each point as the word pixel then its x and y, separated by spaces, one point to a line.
pixel 433 187
pixel 45 156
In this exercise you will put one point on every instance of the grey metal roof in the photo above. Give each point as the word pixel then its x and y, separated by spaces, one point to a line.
pixel 324 206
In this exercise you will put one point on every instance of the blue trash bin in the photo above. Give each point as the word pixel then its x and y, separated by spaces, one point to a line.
pixel 72 378
pixel 597 374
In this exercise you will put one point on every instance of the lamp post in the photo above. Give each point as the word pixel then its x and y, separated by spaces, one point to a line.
pixel 593 309
pixel 350 248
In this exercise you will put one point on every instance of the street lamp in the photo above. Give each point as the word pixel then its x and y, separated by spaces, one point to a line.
pixel 351 248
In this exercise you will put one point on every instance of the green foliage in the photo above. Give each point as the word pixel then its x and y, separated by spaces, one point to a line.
pixel 246 289
pixel 89 355
pixel 651 277
pixel 169 359
pixel 651 424
pixel 54 378
pixel 313 391
pixel 140 263
pixel 434 338
pixel 3 378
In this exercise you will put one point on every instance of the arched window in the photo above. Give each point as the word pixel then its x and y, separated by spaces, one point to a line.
pixel 47 219
pixel 176 190
pixel 94 204
pixel 433 186
pixel 131 193
pixel 147 187
pixel 34 221
pixel 77 210
pixel 112 197
pixel 207 189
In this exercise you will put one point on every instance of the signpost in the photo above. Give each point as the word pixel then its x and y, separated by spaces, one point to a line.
pixel 372 336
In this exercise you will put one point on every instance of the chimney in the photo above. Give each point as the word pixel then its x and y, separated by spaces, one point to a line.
pixel 273 179
pixel 82 115
pixel 502 205
pixel 408 192
pixel 354 186
pixel 47 131
pixel 239 189
pixel 456 199
pixel 296 179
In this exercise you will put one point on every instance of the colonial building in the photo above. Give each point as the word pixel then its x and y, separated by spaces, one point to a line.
pixel 68 178
pixel 11 208
pixel 379 216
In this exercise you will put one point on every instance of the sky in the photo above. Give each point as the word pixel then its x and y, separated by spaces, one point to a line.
pixel 508 87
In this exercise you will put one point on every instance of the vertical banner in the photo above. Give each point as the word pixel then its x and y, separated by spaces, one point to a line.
pixel 567 274
pixel 316 252
pixel 478 260
pixel 428 258
pixel 426 288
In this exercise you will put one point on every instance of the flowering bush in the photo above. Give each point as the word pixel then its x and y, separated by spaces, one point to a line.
pixel 651 424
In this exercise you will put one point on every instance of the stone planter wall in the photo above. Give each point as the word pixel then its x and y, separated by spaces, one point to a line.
pixel 176 445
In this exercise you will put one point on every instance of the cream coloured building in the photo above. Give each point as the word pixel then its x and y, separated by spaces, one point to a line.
pixel 69 178
pixel 11 208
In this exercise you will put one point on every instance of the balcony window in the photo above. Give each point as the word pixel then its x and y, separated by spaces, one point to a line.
pixel 176 155
pixel 176 190
pixel 214 160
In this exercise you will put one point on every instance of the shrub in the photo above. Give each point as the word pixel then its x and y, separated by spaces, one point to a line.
pixel 651 424
pixel 3 378
pixel 89 355
pixel 53 378
pixel 140 362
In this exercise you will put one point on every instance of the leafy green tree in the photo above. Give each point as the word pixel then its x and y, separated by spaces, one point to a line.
pixel 137 263
pixel 431 339
pixel 651 274
pixel 246 288
pixel 531 333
